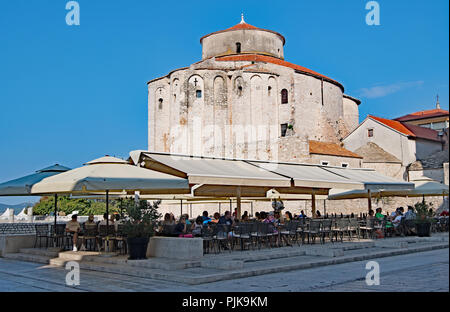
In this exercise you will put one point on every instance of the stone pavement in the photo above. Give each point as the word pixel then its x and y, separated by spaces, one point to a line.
pixel 304 268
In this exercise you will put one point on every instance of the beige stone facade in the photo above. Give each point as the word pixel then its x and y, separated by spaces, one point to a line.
pixel 246 103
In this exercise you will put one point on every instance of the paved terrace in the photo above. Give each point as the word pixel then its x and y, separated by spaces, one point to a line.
pixel 171 274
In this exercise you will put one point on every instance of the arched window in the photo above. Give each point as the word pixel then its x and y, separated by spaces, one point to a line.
pixel 284 96
pixel 240 90
pixel 238 47
pixel 160 101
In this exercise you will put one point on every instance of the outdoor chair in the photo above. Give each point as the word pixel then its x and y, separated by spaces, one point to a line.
pixel 380 226
pixel 339 229
pixel 221 237
pixel 289 232
pixel 313 230
pixel 368 229
pixel 260 233
pixel 353 226
pixel 168 230
pixel 41 232
pixel 121 240
pixel 105 234
pixel 301 230
pixel 326 230
pixel 208 232
pixel 58 235
pixel 89 237
pixel 409 227
pixel 242 233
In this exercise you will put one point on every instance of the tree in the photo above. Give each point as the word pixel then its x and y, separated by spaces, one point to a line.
pixel 46 206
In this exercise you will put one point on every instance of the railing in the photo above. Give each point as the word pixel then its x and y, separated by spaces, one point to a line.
pixel 17 228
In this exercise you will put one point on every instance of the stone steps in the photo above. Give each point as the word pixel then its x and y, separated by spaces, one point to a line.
pixel 40 252
pixel 27 257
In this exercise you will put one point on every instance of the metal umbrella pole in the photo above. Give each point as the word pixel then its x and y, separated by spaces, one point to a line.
pixel 54 224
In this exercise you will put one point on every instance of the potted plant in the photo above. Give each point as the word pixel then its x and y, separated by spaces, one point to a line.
pixel 424 218
pixel 139 226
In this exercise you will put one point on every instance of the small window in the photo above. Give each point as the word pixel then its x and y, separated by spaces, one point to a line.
pixel 284 96
pixel 284 128
pixel 269 89
pixel 324 163
pixel 160 105
pixel 198 94
pixel 344 165
pixel 238 47
pixel 370 133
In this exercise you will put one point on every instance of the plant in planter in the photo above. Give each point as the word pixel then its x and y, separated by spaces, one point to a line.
pixel 139 227
pixel 424 218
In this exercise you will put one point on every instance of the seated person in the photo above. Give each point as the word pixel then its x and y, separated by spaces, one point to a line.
pixel 197 230
pixel 216 218
pixel 181 229
pixel 410 214
pixel 104 221
pixel 73 227
pixel 397 221
pixel 206 217
pixel 90 221
pixel 378 214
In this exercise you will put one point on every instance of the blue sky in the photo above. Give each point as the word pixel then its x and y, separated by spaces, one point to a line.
pixel 69 94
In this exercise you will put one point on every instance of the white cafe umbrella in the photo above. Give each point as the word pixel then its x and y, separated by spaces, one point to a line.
pixel 110 174
pixel 113 175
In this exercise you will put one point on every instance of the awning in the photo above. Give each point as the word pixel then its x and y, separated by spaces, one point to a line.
pixel 305 175
pixel 422 188
pixel 111 174
pixel 370 178
pixel 212 171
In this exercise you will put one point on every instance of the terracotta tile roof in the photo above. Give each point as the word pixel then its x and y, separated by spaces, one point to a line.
pixel 423 133
pixel 409 130
pixel 423 114
pixel 243 26
pixel 326 148
pixel 396 125
pixel 273 60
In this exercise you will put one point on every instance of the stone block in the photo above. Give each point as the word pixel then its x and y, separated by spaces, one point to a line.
pixel 175 248
pixel 13 243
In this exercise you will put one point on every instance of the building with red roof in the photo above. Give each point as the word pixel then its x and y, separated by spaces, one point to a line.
pixel 436 119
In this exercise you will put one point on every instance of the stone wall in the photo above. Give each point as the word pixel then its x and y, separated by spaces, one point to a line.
pixel 216 108
pixel 252 41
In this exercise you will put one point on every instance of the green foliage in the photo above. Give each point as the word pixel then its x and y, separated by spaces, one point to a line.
pixel 141 217
pixel 46 206
pixel 424 213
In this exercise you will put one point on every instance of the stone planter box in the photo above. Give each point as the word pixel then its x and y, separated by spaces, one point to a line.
pixel 175 248
pixel 12 243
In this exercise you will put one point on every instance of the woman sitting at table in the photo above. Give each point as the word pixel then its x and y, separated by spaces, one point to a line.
pixel 181 228
pixel 197 230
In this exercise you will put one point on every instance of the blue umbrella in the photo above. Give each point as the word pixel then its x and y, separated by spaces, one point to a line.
pixel 22 186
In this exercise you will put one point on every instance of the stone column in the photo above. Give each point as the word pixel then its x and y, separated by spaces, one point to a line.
pixel 11 215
